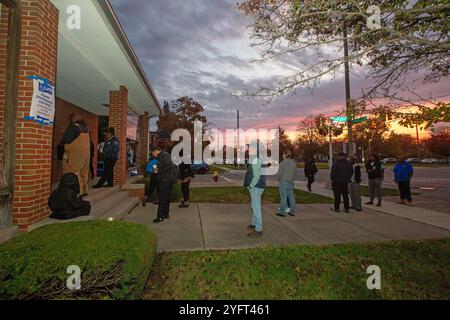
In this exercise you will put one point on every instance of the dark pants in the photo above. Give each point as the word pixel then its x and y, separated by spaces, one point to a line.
pixel 341 190
pixel 311 179
pixel 108 174
pixel 151 187
pixel 91 168
pixel 185 191
pixel 164 195
pixel 405 190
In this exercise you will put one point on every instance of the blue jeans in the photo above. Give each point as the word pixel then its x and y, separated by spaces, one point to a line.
pixel 287 192
pixel 256 195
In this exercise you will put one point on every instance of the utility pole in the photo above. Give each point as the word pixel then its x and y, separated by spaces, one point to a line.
pixel 238 137
pixel 349 107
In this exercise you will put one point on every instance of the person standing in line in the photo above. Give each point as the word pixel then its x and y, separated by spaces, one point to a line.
pixel 375 172
pixel 255 182
pixel 341 176
pixel 167 176
pixel 310 172
pixel 355 186
pixel 153 185
pixel 110 157
pixel 286 176
pixel 185 176
pixel 76 147
pixel 404 172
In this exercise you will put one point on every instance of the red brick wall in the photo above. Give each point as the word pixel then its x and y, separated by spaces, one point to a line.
pixel 32 185
pixel 118 108
pixel 3 54
pixel 143 142
pixel 63 110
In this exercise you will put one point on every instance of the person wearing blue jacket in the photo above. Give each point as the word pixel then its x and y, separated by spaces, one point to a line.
pixel 153 185
pixel 255 182
pixel 404 172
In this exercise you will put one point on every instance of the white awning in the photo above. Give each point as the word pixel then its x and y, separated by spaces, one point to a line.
pixel 98 58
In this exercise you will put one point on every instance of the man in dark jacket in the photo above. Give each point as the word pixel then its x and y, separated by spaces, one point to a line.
pixel 167 176
pixel 341 176
pixel 355 186
pixel 310 172
pixel 375 172
pixel 110 157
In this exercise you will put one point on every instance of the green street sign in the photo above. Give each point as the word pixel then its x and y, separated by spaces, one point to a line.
pixel 339 119
pixel 360 120
pixel 345 120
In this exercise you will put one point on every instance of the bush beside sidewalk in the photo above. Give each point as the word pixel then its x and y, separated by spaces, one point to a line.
pixel 115 259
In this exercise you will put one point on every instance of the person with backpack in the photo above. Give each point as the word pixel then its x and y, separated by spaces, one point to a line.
pixel 375 172
pixel 167 175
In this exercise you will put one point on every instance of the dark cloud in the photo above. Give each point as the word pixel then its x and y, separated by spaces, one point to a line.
pixel 200 48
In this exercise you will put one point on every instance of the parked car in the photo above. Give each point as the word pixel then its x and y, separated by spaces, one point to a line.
pixel 201 168
pixel 414 160
pixel 433 161
pixel 389 160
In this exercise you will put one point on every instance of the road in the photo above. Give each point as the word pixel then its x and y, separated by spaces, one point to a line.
pixel 433 184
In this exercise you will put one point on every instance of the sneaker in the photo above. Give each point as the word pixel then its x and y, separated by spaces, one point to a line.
pixel 336 210
pixel 251 228
pixel 379 204
pixel 292 214
pixel 281 215
pixel 158 220
pixel 255 234
pixel 410 204
pixel 401 202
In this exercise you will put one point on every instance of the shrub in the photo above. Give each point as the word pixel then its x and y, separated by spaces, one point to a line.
pixel 115 259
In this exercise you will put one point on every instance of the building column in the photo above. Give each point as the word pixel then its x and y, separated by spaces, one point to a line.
pixel 143 142
pixel 33 160
pixel 118 109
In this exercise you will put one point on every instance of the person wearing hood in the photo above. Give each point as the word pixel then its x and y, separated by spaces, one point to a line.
pixel 75 151
pixel 404 172
pixel 65 202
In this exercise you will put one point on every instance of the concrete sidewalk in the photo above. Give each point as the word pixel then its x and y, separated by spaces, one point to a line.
pixel 432 218
pixel 223 226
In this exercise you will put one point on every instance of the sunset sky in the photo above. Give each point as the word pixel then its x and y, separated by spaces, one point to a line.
pixel 201 49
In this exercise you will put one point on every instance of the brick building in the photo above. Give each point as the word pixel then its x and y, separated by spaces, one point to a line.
pixel 79 48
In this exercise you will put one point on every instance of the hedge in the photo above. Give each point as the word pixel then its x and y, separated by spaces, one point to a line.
pixel 115 259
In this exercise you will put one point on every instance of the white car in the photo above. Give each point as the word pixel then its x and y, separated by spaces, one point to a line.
pixel 414 160
pixel 389 160
pixel 432 161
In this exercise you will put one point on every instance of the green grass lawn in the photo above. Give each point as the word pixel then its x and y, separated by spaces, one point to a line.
pixel 409 270
pixel 241 195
